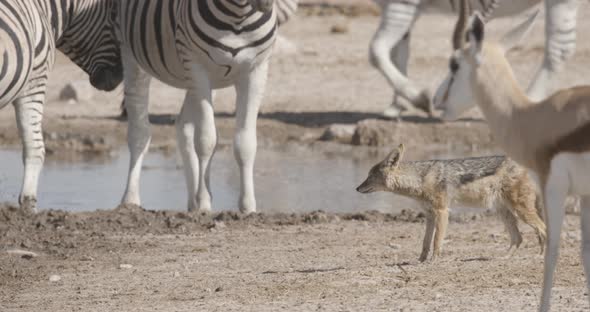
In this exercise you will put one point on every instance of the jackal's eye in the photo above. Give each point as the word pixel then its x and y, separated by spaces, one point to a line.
pixel 453 65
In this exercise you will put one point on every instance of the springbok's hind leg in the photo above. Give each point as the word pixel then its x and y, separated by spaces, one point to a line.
pixel 555 191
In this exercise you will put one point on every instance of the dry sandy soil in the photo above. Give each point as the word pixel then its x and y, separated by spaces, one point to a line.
pixel 132 260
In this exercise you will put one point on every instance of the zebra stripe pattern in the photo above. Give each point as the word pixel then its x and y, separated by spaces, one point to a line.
pixel 389 48
pixel 30 33
pixel 285 10
pixel 198 46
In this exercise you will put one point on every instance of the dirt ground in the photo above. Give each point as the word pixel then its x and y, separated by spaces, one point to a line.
pixel 134 260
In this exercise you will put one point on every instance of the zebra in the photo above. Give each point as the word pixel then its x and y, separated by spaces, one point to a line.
pixel 30 33
pixel 198 46
pixel 285 10
pixel 389 47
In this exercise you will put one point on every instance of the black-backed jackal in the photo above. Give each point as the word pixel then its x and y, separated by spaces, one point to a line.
pixel 491 182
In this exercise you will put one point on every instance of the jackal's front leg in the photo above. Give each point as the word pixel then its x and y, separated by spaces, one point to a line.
pixel 427 237
pixel 441 219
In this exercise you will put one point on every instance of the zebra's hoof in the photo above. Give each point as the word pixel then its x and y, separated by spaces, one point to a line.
pixel 247 206
pixel 28 204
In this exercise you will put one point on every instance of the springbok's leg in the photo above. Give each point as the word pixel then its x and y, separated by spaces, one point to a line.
pixel 560 45
pixel 555 191
pixel 427 236
pixel 249 92
pixel 136 101
pixel 585 223
pixel 397 18
pixel 197 115
pixel 29 116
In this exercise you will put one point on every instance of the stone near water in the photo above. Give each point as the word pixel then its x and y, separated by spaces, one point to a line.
pixel 342 133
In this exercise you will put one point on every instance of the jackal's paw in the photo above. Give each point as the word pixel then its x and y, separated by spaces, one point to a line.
pixel 28 203
pixel 423 256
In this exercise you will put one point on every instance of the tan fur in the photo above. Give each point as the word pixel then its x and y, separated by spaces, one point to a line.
pixel 439 183
pixel 535 131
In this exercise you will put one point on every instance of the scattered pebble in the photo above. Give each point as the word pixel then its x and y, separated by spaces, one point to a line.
pixel 339 29
pixel 176 274
pixel 438 295
pixel 395 246
pixel 55 278
pixel 86 258
pixel 218 289
pixel 22 253
pixel 125 266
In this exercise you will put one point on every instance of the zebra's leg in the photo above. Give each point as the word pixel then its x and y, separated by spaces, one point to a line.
pixel 29 116
pixel 136 101
pixel 397 18
pixel 560 45
pixel 400 56
pixel 201 112
pixel 249 90
pixel 185 135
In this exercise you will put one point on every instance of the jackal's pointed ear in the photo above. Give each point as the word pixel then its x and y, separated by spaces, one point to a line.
pixel 395 156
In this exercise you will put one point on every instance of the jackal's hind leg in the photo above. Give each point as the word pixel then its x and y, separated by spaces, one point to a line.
pixel 427 237
pixel 511 224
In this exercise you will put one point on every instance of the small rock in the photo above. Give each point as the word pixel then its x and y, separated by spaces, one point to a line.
pixel 125 266
pixel 55 278
pixel 176 274
pixel 438 295
pixel 395 246
pixel 80 90
pixel 218 289
pixel 86 258
pixel 339 29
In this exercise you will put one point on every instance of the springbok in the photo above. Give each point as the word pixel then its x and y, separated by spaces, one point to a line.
pixel 389 49
pixel 550 137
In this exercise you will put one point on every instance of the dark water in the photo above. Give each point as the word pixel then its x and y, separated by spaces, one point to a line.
pixel 286 181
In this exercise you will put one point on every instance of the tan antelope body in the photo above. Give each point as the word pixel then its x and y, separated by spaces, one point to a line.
pixel 550 137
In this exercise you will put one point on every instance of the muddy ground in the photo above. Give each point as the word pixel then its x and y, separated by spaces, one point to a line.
pixel 134 260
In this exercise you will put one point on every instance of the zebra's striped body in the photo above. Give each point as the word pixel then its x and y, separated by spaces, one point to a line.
pixel 199 46
pixel 30 33
pixel 389 48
